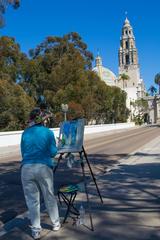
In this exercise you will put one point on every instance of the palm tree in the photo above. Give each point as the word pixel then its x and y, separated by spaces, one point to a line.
pixel 152 90
pixel 123 77
pixel 157 80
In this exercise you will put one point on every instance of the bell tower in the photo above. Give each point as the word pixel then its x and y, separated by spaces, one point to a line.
pixel 128 62
pixel 128 57
pixel 129 65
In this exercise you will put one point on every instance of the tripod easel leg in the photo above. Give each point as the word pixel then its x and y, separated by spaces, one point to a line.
pixel 93 177
pixel 58 161
pixel 86 190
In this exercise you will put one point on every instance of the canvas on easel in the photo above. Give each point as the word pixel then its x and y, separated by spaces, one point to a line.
pixel 71 136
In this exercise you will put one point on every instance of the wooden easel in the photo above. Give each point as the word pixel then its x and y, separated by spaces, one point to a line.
pixel 81 154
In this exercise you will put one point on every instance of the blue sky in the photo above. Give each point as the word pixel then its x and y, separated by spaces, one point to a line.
pixel 98 22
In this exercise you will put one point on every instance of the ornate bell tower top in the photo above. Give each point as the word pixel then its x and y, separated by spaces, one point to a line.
pixel 127 31
pixel 127 52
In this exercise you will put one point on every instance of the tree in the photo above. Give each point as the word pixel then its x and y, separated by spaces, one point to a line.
pixel 123 77
pixel 15 106
pixel 12 60
pixel 120 112
pixel 57 62
pixel 60 70
pixel 3 6
pixel 157 80
pixel 152 90
pixel 141 108
pixel 15 103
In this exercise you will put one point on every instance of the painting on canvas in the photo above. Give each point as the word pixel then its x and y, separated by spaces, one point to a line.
pixel 71 136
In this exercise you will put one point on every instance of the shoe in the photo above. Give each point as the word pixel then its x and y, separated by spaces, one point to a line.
pixel 36 233
pixel 56 226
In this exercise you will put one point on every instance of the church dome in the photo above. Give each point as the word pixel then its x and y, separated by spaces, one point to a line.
pixel 106 75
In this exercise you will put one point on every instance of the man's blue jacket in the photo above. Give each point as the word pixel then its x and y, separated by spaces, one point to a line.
pixel 38 145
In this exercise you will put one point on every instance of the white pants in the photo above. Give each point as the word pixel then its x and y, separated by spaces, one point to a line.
pixel 35 177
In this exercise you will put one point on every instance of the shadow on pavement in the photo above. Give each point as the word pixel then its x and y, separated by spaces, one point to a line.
pixel 132 203
pixel 11 193
pixel 98 162
pixel 131 206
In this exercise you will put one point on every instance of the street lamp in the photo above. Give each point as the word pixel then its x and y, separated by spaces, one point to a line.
pixel 64 110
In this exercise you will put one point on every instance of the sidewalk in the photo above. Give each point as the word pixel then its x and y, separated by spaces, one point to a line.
pixel 131 208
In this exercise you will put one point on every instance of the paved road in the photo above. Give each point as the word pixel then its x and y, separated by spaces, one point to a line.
pixel 104 152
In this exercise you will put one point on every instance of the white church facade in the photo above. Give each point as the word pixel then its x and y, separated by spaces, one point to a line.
pixel 128 65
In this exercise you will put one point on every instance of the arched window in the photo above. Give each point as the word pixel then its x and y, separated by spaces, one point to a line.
pixel 132 59
pixel 126 44
pixel 127 59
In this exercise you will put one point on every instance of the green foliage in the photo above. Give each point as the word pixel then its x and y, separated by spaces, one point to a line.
pixel 3 7
pixel 11 60
pixel 15 106
pixel 63 71
pixel 141 104
pixel 124 77
pixel 141 108
pixel 152 90
pixel 59 69
pixel 138 119
pixel 157 80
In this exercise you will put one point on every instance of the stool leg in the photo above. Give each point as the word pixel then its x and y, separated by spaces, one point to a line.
pixel 68 208
pixel 69 201
pixel 76 212
pixel 59 198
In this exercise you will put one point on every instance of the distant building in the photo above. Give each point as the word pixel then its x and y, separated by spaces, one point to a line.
pixel 129 65
pixel 153 113
pixel 104 73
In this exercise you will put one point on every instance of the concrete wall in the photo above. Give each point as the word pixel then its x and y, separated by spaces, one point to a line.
pixel 13 138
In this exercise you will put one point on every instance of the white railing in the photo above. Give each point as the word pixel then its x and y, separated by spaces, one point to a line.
pixel 13 138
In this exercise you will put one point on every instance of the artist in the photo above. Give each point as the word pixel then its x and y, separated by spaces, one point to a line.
pixel 38 146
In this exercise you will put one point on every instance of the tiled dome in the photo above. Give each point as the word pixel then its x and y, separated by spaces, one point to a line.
pixel 107 75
